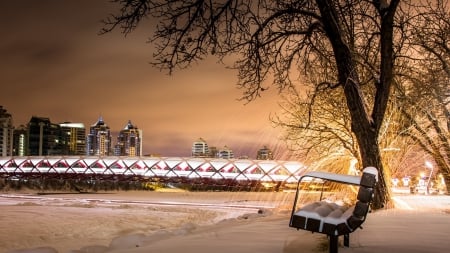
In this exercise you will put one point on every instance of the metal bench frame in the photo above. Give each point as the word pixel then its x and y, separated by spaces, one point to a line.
pixel 310 217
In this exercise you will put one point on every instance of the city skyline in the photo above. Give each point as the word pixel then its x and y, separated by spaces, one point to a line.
pixel 118 139
pixel 56 65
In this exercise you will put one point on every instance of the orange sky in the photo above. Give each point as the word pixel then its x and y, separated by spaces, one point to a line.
pixel 53 64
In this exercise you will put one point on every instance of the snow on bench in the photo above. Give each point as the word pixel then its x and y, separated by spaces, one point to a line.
pixel 331 218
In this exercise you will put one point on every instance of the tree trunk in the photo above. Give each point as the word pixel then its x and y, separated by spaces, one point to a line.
pixel 443 168
pixel 366 132
pixel 371 156
pixel 365 126
pixel 447 182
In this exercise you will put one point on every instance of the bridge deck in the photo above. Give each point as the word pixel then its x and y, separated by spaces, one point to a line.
pixel 148 168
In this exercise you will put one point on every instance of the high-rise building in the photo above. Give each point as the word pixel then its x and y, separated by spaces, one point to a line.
pixel 6 133
pixel 129 141
pixel 44 137
pixel 20 141
pixel 225 153
pixel 264 154
pixel 73 138
pixel 99 139
pixel 200 148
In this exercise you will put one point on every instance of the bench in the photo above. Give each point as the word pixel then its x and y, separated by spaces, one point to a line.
pixel 333 219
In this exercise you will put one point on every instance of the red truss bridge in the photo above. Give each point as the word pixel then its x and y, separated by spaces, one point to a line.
pixel 206 171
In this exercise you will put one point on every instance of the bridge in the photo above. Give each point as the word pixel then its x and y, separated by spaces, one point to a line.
pixel 189 170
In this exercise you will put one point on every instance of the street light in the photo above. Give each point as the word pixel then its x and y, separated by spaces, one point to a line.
pixel 429 166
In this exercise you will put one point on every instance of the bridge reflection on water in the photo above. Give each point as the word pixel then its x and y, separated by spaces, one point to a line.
pixel 205 171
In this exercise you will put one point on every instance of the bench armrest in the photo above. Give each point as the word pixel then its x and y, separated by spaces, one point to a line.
pixel 339 178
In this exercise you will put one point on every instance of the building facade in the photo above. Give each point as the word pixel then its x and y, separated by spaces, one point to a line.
pixel 73 137
pixel 213 151
pixel 225 153
pixel 6 133
pixel 20 141
pixel 264 154
pixel 129 142
pixel 44 137
pixel 200 148
pixel 98 141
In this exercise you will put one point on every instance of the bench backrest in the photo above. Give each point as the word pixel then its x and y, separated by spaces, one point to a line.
pixel 364 198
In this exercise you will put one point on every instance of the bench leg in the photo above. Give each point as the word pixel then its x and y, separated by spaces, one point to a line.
pixel 334 244
pixel 347 240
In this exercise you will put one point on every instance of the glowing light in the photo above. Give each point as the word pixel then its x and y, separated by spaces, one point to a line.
pixel 428 164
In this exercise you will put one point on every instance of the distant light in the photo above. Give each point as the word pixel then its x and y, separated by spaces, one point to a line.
pixel 72 125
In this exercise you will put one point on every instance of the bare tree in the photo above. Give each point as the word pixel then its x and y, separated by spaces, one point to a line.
pixel 321 130
pixel 318 131
pixel 284 39
pixel 426 91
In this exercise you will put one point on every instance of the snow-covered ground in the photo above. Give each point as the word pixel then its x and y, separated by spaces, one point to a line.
pixel 204 222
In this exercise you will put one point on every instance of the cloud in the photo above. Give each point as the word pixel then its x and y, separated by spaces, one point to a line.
pixel 56 65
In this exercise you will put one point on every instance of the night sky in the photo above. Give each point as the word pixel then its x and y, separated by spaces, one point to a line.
pixel 54 64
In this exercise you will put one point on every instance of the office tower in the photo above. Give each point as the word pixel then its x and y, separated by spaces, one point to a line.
pixel 6 133
pixel 128 141
pixel 226 153
pixel 20 141
pixel 44 137
pixel 99 139
pixel 264 154
pixel 200 148
pixel 73 138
